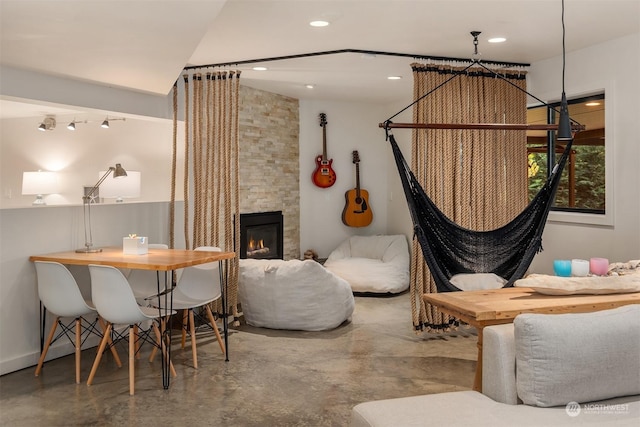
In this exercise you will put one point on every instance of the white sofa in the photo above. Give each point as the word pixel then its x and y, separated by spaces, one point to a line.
pixel 376 264
pixel 568 369
pixel 294 295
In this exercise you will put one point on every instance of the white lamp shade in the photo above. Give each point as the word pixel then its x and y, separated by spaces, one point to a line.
pixel 39 182
pixel 124 187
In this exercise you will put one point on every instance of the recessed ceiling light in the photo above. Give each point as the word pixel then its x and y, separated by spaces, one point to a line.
pixel 319 23
pixel 309 86
pixel 259 68
pixel 592 104
pixel 497 40
pixel 394 77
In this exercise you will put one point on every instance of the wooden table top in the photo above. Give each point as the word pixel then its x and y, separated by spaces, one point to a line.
pixel 500 305
pixel 156 259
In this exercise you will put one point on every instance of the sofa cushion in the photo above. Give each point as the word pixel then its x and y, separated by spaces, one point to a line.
pixel 470 408
pixel 580 357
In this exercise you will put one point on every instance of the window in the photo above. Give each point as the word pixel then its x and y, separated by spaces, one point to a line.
pixel 582 187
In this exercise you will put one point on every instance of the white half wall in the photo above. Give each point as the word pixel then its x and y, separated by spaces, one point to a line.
pixel 39 230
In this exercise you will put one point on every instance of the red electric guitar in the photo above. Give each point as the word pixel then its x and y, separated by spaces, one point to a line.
pixel 323 176
pixel 357 211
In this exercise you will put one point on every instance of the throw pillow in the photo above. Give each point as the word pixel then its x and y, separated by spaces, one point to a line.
pixel 585 357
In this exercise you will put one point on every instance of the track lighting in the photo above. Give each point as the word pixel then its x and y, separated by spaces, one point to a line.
pixel 49 123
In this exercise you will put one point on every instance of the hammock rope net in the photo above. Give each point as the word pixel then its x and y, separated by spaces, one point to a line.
pixel 450 249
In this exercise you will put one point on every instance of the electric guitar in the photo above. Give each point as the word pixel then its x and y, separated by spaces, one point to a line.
pixel 357 211
pixel 324 176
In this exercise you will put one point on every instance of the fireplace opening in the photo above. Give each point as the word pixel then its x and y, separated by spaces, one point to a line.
pixel 261 235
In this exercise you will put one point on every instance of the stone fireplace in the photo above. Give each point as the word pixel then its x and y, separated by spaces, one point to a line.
pixel 261 235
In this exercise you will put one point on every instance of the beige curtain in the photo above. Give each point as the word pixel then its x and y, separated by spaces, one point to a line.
pixel 478 178
pixel 211 175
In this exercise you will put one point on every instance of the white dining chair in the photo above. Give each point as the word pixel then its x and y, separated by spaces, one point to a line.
pixel 60 295
pixel 116 303
pixel 146 283
pixel 197 287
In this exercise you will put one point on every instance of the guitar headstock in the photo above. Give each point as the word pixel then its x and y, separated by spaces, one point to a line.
pixel 356 156
pixel 323 119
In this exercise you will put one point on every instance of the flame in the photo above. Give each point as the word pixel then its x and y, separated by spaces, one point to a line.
pixel 253 245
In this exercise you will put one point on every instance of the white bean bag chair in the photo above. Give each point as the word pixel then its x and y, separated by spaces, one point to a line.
pixel 377 264
pixel 294 295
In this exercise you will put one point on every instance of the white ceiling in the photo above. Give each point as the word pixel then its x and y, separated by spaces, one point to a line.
pixel 144 44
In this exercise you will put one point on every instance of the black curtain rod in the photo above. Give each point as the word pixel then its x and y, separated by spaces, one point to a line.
pixel 366 52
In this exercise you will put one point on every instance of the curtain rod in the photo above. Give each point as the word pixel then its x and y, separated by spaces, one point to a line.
pixel 478 126
pixel 365 52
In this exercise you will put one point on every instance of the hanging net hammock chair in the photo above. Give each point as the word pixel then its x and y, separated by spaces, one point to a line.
pixel 450 249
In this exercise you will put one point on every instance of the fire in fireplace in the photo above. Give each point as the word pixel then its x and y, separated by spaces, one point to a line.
pixel 261 235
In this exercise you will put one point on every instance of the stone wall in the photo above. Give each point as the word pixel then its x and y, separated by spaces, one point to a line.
pixel 269 160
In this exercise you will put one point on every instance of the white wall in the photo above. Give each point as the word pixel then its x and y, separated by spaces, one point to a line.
pixel 350 126
pixel 614 67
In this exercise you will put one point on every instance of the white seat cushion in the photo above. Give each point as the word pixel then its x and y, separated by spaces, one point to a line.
pixel 378 264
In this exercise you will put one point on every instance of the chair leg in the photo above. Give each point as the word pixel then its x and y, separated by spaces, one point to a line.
pixel 133 337
pixel 185 313
pixel 46 345
pixel 138 343
pixel 192 327
pixel 114 352
pixel 154 350
pixel 164 349
pixel 78 349
pixel 215 328
pixel 103 344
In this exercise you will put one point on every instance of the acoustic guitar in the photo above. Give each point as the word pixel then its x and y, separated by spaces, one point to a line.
pixel 324 176
pixel 357 211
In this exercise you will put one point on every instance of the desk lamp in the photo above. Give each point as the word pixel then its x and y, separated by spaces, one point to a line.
pixel 118 172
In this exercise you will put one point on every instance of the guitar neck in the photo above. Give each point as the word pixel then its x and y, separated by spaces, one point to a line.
pixel 358 180
pixel 324 143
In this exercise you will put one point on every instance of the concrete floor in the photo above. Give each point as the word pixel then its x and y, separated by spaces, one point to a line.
pixel 273 378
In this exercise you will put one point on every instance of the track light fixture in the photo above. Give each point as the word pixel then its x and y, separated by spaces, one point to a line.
pixel 72 125
pixel 49 123
pixel 105 123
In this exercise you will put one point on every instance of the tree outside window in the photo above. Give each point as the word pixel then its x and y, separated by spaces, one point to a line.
pixel 582 187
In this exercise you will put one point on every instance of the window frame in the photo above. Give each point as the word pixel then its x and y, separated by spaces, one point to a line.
pixel 576 215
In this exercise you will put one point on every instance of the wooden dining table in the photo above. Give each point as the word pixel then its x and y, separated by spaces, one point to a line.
pixel 161 260
pixel 484 308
